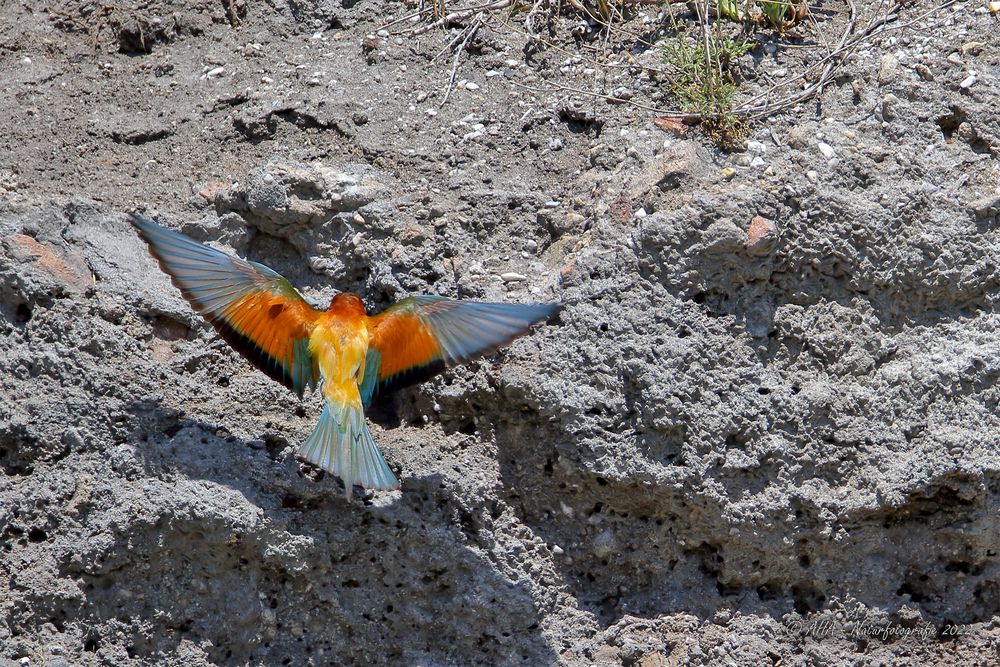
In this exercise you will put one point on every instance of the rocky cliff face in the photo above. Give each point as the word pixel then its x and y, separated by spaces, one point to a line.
pixel 763 429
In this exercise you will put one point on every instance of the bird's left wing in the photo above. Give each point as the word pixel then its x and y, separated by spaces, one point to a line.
pixel 252 307
pixel 419 337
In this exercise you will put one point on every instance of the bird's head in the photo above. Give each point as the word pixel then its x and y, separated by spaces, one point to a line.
pixel 346 303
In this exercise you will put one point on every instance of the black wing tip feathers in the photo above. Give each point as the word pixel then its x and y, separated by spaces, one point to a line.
pixel 246 347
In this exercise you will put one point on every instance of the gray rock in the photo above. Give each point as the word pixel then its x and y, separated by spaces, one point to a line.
pixel 986 206
pixel 888 69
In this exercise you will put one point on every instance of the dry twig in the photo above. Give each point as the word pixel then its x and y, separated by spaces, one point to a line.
pixel 766 103
pixel 470 32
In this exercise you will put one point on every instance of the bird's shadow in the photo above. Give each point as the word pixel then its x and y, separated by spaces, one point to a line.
pixel 384 579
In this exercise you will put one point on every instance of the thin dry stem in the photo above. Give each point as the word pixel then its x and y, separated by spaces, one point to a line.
pixel 469 34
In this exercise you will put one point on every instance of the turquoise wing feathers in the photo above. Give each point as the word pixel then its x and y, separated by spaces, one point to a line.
pixel 419 337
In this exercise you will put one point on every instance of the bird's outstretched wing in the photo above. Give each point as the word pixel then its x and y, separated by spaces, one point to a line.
pixel 252 307
pixel 419 337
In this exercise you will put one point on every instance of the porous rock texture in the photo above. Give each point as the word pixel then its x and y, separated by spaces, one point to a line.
pixel 763 429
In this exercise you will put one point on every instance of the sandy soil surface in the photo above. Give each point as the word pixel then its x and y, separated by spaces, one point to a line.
pixel 741 443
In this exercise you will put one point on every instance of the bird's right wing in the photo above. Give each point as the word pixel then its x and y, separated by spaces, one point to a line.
pixel 252 307
pixel 419 337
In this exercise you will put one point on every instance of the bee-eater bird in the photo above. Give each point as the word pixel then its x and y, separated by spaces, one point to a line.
pixel 354 356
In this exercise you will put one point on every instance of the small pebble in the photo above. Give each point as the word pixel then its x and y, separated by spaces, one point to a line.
pixel 25 61
pixel 215 72
pixel 472 86
pixel 888 103
pixel 827 150
pixel 813 176
pixel 358 218
pixel 972 48
pixel 969 81
pixel 757 162
pixel 888 69
pixel 512 277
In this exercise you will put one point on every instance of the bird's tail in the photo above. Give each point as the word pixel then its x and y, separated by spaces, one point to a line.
pixel 342 444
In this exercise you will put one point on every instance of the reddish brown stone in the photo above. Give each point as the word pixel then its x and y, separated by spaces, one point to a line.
pixel 761 236
pixel 62 265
